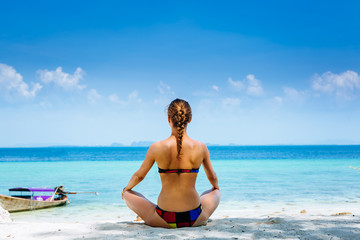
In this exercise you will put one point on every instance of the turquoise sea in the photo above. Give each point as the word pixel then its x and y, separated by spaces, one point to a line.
pixel 247 175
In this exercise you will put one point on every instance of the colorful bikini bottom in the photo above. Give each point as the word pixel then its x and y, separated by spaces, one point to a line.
pixel 180 219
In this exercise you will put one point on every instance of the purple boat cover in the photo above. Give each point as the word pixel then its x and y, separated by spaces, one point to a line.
pixel 32 189
pixel 41 198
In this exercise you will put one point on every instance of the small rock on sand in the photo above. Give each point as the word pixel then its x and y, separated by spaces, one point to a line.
pixel 274 221
pixel 341 213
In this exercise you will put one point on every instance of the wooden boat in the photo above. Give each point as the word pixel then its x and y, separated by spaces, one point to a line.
pixel 27 199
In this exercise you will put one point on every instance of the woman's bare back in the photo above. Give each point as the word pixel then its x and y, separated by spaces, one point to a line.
pixel 178 189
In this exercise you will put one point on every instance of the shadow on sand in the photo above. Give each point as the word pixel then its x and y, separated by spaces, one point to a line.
pixel 237 228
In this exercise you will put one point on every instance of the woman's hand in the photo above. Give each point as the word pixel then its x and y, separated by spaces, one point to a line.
pixel 123 191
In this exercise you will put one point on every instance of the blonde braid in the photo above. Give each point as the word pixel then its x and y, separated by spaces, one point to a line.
pixel 180 131
pixel 180 114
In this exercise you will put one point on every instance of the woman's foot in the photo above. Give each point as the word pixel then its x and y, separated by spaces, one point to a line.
pixel 138 219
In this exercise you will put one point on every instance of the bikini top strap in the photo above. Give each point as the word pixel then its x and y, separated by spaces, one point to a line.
pixel 194 170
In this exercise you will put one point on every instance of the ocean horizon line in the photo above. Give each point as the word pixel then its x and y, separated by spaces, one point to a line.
pixel 132 145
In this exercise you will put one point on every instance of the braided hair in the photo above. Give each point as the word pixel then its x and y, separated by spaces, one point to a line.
pixel 180 114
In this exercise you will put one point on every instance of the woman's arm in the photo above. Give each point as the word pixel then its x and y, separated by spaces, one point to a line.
pixel 140 174
pixel 210 173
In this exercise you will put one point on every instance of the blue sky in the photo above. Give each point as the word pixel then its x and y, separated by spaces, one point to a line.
pixel 255 73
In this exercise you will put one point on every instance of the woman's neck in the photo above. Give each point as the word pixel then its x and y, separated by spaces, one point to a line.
pixel 175 134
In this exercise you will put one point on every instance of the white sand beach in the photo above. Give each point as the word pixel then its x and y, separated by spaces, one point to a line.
pixel 287 222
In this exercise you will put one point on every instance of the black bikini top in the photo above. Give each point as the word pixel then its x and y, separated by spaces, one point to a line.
pixel 194 170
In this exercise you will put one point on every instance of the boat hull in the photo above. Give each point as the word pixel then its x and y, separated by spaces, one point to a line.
pixel 14 204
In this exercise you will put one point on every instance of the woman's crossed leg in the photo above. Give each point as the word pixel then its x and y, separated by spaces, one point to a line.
pixel 147 210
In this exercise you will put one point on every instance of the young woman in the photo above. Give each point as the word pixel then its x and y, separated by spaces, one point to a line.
pixel 179 158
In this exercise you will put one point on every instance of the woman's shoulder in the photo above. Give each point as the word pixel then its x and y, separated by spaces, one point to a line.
pixel 159 149
pixel 159 145
pixel 197 145
pixel 155 145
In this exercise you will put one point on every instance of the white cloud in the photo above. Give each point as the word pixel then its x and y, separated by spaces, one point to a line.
pixel 236 85
pixel 165 89
pixel 216 88
pixel 252 85
pixel 166 94
pixel 278 99
pixel 62 79
pixel 213 91
pixel 45 104
pixel 342 85
pixel 114 98
pixel 12 82
pixel 93 96
pixel 295 95
pixel 231 102
pixel 132 97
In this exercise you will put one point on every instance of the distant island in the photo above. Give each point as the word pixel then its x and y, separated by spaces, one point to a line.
pixel 141 144
pixel 117 145
pixel 133 144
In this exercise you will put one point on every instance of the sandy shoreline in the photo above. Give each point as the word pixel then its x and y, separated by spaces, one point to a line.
pixel 244 224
